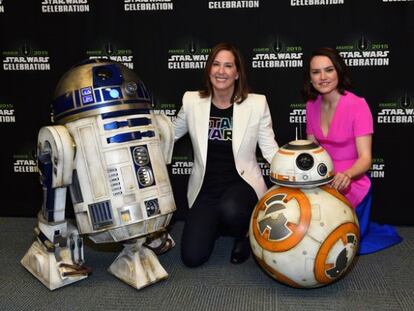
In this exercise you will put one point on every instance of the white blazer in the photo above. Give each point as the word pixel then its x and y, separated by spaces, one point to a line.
pixel 252 125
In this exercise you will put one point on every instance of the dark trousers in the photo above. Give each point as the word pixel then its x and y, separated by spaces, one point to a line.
pixel 216 212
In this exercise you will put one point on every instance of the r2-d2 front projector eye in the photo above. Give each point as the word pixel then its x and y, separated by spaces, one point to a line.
pixel 304 161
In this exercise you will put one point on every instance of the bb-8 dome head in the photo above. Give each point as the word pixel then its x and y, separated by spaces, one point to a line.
pixel 301 164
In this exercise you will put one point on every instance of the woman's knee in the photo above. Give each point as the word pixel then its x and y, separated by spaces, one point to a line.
pixel 234 208
pixel 195 253
pixel 193 260
pixel 197 242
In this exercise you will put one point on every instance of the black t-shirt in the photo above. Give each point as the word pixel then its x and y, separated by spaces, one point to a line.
pixel 221 169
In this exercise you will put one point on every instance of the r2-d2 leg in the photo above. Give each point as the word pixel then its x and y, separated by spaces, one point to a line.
pixel 56 257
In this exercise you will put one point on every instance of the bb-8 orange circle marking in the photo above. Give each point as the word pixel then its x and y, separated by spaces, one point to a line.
pixel 298 231
pixel 339 233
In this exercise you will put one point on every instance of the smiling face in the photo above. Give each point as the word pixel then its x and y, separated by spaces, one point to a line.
pixel 223 72
pixel 323 75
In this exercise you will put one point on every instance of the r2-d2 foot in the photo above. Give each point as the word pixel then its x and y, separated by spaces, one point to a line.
pixel 138 265
pixel 56 256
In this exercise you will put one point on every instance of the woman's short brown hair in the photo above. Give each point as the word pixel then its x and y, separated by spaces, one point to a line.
pixel 241 88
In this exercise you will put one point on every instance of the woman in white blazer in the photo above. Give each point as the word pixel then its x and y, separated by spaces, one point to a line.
pixel 225 124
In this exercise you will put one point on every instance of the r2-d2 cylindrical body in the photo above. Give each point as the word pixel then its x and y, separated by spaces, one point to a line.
pixel 120 190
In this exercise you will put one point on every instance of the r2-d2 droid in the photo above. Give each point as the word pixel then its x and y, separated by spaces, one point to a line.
pixel 111 151
pixel 303 232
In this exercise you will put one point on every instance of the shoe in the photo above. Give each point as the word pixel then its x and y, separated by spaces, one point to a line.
pixel 241 250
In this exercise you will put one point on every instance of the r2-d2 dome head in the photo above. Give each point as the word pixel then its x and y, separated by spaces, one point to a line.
pixel 301 164
pixel 94 87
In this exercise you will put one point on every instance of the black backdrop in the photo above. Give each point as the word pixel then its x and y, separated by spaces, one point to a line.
pixel 166 43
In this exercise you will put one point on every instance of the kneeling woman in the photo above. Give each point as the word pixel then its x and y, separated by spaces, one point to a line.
pixel 341 122
pixel 225 124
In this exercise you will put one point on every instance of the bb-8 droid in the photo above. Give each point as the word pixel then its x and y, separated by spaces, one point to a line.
pixel 303 232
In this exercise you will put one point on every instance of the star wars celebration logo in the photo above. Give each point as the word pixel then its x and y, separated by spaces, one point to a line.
pixel 364 53
pixel 378 168
pixel 1 6
pixel 166 109
pixel 277 55
pixel 181 165
pixel 315 2
pixel 65 6
pixel 110 52
pixel 297 113
pixel 23 163
pixel 190 57
pixel 148 5
pixel 226 4
pixel 7 114
pixel 26 59
pixel 400 111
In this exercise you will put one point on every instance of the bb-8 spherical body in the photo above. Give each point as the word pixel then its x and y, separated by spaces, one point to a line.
pixel 303 233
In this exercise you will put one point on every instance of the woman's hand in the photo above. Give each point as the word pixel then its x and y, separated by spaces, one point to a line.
pixel 341 181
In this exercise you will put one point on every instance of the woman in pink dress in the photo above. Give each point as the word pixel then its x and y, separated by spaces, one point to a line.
pixel 341 122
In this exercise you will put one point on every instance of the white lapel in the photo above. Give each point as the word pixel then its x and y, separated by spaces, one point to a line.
pixel 202 117
pixel 241 116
